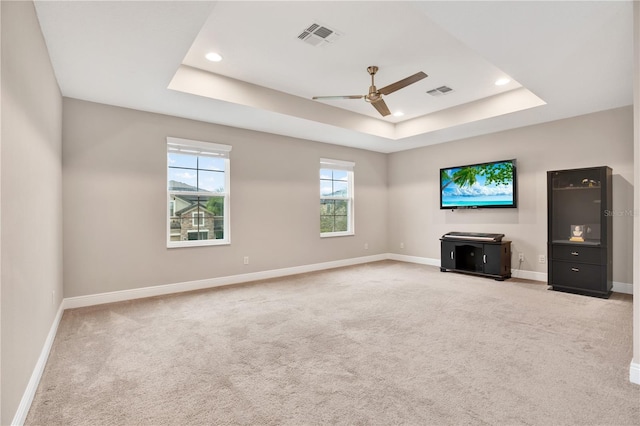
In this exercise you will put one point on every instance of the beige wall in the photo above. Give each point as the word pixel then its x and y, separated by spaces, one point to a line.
pixel 114 176
pixel 31 221
pixel 604 138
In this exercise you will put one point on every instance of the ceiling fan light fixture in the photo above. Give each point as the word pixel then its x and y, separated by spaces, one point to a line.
pixel 398 114
pixel 213 57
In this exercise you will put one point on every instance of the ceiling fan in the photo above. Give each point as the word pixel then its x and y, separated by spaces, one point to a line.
pixel 374 97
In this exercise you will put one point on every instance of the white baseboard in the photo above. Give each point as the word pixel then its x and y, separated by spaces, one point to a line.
pixel 626 288
pixel 634 373
pixel 30 392
pixel 138 293
pixel 529 275
pixel 160 290
pixel 414 259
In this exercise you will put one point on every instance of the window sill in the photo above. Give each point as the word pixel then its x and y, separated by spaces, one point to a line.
pixel 200 243
pixel 337 234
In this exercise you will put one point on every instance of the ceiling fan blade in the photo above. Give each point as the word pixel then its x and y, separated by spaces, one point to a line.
pixel 339 97
pixel 402 83
pixel 382 107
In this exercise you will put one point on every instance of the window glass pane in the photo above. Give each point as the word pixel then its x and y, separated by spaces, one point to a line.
pixel 182 160
pixel 326 223
pixel 340 224
pixel 334 216
pixel 218 228
pixel 334 183
pixel 326 174
pixel 211 181
pixel 340 175
pixel 182 179
pixel 215 205
pixel 197 218
pixel 340 189
pixel 198 235
pixel 340 207
pixel 326 207
pixel 326 188
pixel 211 163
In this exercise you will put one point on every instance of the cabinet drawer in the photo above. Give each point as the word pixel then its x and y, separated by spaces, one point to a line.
pixel 578 275
pixel 576 253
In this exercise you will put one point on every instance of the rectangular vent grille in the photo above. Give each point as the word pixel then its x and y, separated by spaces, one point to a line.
pixel 442 90
pixel 323 32
pixel 318 35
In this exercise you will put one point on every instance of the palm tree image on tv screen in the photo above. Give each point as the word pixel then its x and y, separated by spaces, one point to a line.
pixel 478 185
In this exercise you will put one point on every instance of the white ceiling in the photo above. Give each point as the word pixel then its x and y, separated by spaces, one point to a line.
pixel 564 59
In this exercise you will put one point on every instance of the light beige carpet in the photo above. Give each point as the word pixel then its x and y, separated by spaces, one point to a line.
pixel 376 344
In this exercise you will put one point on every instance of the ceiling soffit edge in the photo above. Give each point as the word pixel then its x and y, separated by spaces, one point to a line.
pixel 206 84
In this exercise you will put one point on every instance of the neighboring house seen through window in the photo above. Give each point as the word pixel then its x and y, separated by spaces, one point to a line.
pixel 336 198
pixel 198 193
pixel 197 218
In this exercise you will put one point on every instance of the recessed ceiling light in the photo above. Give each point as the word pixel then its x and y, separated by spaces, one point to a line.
pixel 398 114
pixel 502 81
pixel 213 57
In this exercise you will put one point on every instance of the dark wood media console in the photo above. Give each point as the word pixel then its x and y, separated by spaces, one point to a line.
pixel 476 253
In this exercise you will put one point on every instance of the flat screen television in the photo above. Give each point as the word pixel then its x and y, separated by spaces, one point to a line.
pixel 482 185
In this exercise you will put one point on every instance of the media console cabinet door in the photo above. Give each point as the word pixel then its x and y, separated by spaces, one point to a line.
pixel 447 255
pixel 495 256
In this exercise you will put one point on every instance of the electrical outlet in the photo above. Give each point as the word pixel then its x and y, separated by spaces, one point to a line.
pixel 366 246
pixel 521 257
pixel 401 245
pixel 542 258
pixel 246 260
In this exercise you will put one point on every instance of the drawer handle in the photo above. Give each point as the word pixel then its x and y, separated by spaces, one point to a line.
pixel 484 258
pixel 575 269
pixel 575 253
pixel 451 254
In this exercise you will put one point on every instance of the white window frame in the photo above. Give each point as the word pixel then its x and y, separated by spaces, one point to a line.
pixel 348 166
pixel 193 147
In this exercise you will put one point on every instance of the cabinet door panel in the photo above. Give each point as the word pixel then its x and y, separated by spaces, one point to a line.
pixel 447 255
pixel 493 256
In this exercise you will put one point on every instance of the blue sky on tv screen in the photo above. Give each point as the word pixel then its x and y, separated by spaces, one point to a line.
pixel 480 193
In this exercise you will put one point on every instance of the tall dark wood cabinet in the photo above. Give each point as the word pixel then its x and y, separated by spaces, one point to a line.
pixel 579 231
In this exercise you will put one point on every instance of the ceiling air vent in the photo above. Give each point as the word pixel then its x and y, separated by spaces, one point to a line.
pixel 318 35
pixel 442 90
